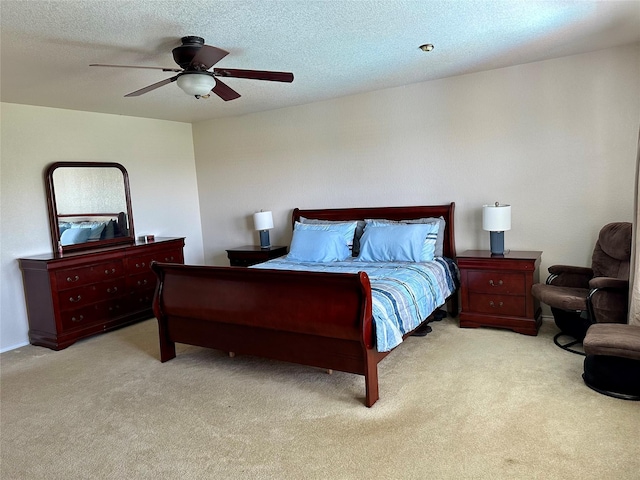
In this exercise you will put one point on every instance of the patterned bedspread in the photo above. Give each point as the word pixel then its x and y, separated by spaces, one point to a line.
pixel 403 294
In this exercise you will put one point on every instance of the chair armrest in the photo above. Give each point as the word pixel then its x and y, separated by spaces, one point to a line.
pixel 608 300
pixel 608 282
pixel 569 276
pixel 560 269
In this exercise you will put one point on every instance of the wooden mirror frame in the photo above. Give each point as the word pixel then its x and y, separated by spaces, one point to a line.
pixel 53 212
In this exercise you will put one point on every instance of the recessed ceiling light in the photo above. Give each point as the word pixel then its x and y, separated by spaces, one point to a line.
pixel 427 47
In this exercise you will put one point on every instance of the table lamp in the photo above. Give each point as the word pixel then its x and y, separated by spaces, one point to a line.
pixel 263 222
pixel 496 219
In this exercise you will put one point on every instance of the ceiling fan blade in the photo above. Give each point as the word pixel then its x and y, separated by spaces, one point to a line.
pixel 164 69
pixel 208 56
pixel 225 92
pixel 254 74
pixel 152 87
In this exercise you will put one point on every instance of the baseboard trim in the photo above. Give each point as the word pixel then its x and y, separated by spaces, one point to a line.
pixel 13 347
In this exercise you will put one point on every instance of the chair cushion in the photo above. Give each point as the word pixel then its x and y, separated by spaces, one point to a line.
pixel 613 339
pixel 612 253
pixel 565 298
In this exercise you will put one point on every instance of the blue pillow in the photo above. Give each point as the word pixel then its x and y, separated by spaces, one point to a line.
pixel 397 243
pixel 346 229
pixel 72 236
pixel 94 227
pixel 311 245
pixel 62 226
pixel 109 230
pixel 353 243
pixel 440 221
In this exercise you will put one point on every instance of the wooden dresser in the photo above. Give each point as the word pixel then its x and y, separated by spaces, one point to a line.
pixel 76 295
pixel 496 290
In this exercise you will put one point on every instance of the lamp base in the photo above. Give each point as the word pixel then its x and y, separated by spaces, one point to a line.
pixel 264 239
pixel 496 239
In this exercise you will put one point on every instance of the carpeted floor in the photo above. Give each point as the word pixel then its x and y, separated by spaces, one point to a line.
pixel 456 404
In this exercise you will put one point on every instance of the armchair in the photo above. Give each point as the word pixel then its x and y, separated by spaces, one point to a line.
pixel 582 296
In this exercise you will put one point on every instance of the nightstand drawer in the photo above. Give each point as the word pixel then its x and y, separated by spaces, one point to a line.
pixel 496 290
pixel 251 255
pixel 243 262
pixel 496 283
pixel 498 304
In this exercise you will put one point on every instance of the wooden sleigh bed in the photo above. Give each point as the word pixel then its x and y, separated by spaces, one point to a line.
pixel 313 318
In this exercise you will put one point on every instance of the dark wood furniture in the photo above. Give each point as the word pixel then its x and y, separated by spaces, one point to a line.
pixel 318 319
pixel 496 290
pixel 251 254
pixel 79 294
pixel 89 191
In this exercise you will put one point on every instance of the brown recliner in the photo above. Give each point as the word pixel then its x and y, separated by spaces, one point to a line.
pixel 581 296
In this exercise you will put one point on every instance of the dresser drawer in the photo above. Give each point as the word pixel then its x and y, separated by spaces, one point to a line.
pixel 496 282
pixel 92 314
pixel 74 277
pixel 142 263
pixel 79 297
pixel 510 305
pixel 142 281
pixel 141 300
pixel 141 289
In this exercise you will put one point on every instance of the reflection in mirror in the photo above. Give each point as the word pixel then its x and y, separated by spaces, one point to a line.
pixel 89 205
pixel 76 190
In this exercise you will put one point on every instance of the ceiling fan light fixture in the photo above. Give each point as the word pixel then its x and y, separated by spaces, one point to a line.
pixel 427 47
pixel 196 84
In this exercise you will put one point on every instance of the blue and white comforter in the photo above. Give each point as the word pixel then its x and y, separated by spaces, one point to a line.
pixel 403 294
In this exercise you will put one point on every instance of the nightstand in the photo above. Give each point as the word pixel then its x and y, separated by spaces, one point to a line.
pixel 251 254
pixel 496 290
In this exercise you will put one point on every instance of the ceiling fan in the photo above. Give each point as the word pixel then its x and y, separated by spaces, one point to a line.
pixel 194 77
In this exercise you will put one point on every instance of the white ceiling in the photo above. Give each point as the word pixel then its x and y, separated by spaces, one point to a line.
pixel 334 48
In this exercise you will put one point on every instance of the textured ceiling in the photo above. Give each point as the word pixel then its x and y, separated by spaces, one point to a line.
pixel 334 48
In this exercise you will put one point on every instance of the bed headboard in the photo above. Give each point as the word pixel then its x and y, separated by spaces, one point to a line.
pixel 389 213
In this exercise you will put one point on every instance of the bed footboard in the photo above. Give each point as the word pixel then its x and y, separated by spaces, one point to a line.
pixel 317 319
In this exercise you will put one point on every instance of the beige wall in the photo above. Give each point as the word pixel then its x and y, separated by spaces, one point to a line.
pixel 555 139
pixel 157 154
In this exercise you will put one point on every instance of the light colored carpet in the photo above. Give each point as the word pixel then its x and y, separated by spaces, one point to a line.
pixel 457 404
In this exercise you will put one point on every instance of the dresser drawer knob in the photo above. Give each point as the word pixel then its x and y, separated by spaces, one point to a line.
pixel 493 305
pixel 141 265
pixel 493 284
pixel 74 279
pixel 112 290
pixel 109 272
pixel 168 259
pixel 79 319
pixel 75 300
pixel 142 282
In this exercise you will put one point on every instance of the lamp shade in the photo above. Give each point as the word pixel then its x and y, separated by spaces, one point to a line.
pixel 496 218
pixel 263 220
pixel 196 83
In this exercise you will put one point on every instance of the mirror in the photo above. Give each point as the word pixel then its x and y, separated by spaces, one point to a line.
pixel 89 205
